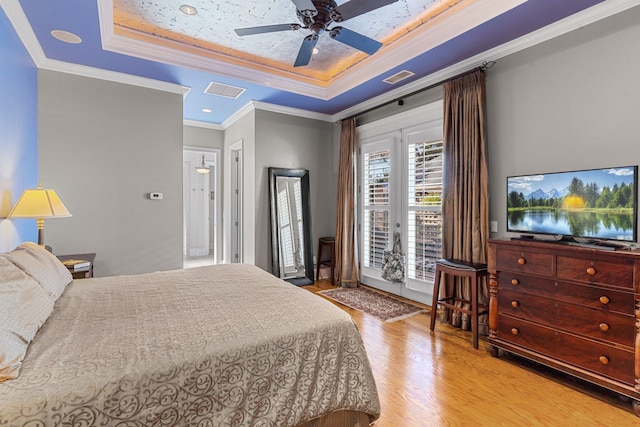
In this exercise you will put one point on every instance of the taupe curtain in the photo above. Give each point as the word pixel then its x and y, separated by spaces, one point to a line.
pixel 346 249
pixel 465 207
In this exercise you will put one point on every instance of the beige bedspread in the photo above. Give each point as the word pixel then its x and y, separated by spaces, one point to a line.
pixel 226 345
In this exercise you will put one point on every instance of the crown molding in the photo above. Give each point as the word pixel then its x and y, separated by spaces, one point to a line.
pixel 588 16
pixel 238 114
pixel 265 106
pixel 113 76
pixel 204 125
pixel 22 27
pixel 298 112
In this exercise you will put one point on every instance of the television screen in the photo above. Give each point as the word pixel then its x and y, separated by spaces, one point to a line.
pixel 595 203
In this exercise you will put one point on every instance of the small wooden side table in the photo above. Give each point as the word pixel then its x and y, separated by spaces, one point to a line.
pixel 84 273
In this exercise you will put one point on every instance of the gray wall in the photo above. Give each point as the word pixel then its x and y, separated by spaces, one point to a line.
pixel 103 147
pixel 568 104
pixel 285 141
pixel 193 136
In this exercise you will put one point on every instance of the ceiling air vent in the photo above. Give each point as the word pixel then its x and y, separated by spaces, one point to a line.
pixel 224 90
pixel 404 74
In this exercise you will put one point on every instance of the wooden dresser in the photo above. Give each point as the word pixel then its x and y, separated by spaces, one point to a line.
pixel 572 308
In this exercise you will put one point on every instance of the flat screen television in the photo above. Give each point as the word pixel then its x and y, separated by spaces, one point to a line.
pixel 592 204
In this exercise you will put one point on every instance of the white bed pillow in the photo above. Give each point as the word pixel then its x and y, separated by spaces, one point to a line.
pixel 43 266
pixel 24 307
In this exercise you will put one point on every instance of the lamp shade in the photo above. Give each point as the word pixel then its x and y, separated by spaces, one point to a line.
pixel 39 203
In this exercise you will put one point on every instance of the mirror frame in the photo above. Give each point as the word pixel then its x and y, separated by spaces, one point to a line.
pixel 303 174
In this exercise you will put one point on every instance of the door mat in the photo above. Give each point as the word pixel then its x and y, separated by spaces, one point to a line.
pixel 377 304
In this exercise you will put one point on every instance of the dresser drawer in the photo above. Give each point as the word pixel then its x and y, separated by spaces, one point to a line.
pixel 527 306
pixel 529 335
pixel 588 295
pixel 614 328
pixel 524 262
pixel 619 274
pixel 607 360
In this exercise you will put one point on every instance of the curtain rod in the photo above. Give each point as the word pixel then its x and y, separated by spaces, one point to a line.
pixel 482 67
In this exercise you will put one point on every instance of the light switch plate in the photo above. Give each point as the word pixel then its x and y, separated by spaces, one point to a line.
pixel 494 226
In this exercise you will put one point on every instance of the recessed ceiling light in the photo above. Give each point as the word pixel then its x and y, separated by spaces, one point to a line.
pixel 66 36
pixel 188 10
pixel 315 51
pixel 206 110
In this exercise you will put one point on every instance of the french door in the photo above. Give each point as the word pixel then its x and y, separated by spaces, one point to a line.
pixel 401 192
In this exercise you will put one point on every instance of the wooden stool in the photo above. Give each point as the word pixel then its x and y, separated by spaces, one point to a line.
pixel 459 268
pixel 329 242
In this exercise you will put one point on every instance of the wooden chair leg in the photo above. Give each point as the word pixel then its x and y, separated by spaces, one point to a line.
pixel 474 307
pixel 333 263
pixel 319 260
pixel 436 294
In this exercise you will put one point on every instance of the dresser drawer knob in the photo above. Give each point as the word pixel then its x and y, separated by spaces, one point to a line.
pixel 515 304
pixel 515 282
pixel 604 299
pixel 515 331
pixel 591 271
pixel 604 360
pixel 522 261
pixel 604 327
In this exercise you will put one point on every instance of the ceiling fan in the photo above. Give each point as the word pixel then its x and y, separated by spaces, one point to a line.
pixel 317 15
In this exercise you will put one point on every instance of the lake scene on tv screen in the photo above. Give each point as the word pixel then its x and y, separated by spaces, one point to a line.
pixel 596 203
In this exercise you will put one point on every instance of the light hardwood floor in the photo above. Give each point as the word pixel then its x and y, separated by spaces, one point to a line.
pixel 436 378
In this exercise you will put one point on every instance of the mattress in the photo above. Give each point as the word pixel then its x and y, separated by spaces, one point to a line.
pixel 227 345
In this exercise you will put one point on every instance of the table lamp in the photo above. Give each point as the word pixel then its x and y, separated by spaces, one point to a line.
pixel 39 203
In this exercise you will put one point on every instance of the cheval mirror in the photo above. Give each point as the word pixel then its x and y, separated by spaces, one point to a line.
pixel 291 246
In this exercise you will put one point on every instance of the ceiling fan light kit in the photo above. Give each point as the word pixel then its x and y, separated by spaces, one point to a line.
pixel 316 16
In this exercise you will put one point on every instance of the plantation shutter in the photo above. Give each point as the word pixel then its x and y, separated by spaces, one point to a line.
pixel 376 206
pixel 424 209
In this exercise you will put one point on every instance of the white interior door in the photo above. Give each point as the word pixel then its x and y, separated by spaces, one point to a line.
pixel 236 204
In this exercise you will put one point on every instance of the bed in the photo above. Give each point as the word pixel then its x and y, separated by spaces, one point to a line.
pixel 227 345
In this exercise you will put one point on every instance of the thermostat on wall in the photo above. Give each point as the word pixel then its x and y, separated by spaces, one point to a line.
pixel 155 196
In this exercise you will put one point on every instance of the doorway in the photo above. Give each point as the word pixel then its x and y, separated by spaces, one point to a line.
pixel 200 207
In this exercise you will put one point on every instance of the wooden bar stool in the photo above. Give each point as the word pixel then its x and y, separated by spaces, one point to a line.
pixel 326 242
pixel 459 268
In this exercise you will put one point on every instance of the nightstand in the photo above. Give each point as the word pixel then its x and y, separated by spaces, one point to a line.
pixel 84 273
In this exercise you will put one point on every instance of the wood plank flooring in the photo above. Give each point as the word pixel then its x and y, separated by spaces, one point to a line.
pixel 436 378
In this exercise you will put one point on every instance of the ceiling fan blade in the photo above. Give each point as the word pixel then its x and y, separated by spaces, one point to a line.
pixel 266 29
pixel 354 8
pixel 306 50
pixel 306 7
pixel 356 40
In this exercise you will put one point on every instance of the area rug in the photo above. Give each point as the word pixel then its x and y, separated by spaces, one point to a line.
pixel 377 304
